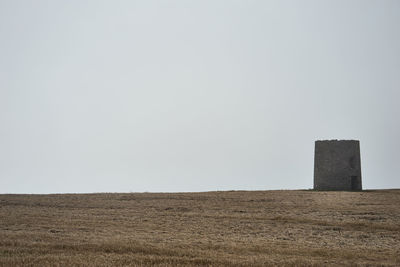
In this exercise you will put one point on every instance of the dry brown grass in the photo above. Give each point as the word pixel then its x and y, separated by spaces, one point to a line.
pixel 257 228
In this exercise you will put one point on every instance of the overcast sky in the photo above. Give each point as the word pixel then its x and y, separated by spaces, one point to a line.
pixel 162 96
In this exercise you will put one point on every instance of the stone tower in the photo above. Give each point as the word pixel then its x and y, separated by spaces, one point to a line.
pixel 337 165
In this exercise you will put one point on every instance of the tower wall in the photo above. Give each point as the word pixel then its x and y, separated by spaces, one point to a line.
pixel 337 165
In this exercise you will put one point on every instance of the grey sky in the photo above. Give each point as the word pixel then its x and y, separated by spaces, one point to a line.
pixel 106 96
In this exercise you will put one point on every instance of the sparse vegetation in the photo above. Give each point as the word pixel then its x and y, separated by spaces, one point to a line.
pixel 258 228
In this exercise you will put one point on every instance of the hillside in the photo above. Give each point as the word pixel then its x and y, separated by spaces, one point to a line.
pixel 213 228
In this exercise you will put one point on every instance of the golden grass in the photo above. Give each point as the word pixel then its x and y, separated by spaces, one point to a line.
pixel 257 228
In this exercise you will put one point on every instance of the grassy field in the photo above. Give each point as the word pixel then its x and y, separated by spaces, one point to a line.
pixel 257 228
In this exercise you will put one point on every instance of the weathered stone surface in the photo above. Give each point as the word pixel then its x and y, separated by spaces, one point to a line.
pixel 337 165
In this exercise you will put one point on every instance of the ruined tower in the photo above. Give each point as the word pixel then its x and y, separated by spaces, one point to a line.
pixel 337 165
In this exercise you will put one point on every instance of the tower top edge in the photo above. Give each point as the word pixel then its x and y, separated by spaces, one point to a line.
pixel 336 140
